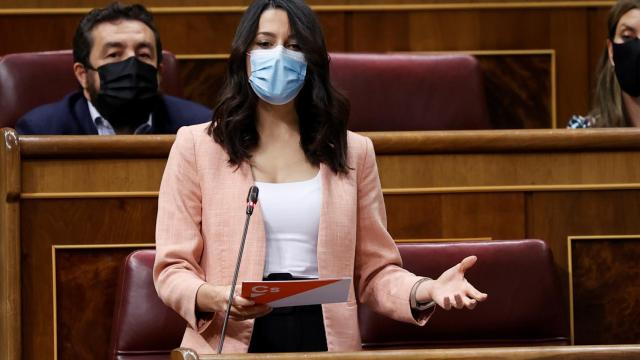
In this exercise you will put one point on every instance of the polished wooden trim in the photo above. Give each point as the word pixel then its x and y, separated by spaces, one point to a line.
pixel 54 302
pixel 597 237
pixel 54 248
pixel 202 56
pixel 554 91
pixel 486 52
pixel 570 275
pixel 102 246
pixel 508 188
pixel 89 195
pixel 11 153
pixel 83 146
pixel 221 56
pixel 392 142
pixel 571 238
pixel 462 6
pixel 385 191
pixel 184 354
pixel 44 11
pixel 501 141
pixel 417 241
pixel 337 8
pixel 10 294
pixel 592 352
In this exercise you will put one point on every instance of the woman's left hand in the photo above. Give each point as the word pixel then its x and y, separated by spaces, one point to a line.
pixel 451 289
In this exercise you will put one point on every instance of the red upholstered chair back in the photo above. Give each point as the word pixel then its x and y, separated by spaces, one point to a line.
pixel 393 92
pixel 524 306
pixel 143 327
pixel 28 80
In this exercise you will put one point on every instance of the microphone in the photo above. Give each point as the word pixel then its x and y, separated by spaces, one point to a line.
pixel 252 200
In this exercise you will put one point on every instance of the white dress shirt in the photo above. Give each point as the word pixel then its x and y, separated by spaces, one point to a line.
pixel 104 126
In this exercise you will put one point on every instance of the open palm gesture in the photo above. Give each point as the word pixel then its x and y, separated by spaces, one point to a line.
pixel 452 289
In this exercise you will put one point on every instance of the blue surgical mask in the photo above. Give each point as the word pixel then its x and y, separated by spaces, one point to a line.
pixel 277 75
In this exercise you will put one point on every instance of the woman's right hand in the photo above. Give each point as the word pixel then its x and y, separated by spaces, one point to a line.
pixel 211 298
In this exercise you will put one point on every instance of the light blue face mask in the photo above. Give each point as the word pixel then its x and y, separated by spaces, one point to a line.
pixel 277 75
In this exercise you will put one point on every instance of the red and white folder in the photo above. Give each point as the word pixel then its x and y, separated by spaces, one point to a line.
pixel 297 292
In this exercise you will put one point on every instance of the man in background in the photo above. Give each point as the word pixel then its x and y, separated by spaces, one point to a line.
pixel 117 55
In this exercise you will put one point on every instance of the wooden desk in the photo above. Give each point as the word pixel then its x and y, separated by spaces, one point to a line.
pixel 73 207
pixel 611 352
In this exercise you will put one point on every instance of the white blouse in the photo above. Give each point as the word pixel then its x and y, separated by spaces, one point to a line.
pixel 291 213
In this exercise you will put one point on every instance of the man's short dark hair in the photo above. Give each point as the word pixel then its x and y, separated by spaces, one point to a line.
pixel 83 42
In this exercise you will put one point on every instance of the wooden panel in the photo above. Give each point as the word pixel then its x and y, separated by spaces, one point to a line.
pixel 436 186
pixel 90 175
pixel 475 170
pixel 37 33
pixel 55 32
pixel 512 105
pixel 71 222
pixel 478 30
pixel 611 352
pixel 334 28
pixel 443 30
pixel 605 277
pixel 197 33
pixel 386 143
pixel 218 3
pixel 213 33
pixel 572 74
pixel 189 33
pixel 87 221
pixel 10 299
pixel 459 215
pixel 598 33
pixel 503 141
pixel 85 299
pixel 392 32
pixel 556 216
pixel 553 216
pixel 91 147
pixel 447 216
pixel 203 79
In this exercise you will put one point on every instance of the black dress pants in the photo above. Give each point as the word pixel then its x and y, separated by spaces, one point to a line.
pixel 289 329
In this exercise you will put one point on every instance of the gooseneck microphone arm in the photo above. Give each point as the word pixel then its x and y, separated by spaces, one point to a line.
pixel 252 199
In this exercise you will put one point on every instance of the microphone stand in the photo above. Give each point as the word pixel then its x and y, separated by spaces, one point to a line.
pixel 252 199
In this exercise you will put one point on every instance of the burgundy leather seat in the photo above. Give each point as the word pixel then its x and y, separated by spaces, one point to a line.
pixel 524 306
pixel 28 80
pixel 143 327
pixel 393 92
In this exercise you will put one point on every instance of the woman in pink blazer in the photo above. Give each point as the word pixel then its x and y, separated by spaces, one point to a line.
pixel 280 124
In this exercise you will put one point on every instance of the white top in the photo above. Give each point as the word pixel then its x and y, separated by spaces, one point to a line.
pixel 291 213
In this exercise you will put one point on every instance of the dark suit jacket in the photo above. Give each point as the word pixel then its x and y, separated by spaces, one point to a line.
pixel 70 116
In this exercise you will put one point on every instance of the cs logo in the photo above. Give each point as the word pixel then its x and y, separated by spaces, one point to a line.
pixel 260 290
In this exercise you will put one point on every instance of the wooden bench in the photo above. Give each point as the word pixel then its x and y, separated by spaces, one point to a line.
pixel 73 207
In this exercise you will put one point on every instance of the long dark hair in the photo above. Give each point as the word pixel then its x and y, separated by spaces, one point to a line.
pixel 322 110
pixel 608 107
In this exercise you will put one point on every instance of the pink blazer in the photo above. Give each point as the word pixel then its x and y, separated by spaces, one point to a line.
pixel 201 213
